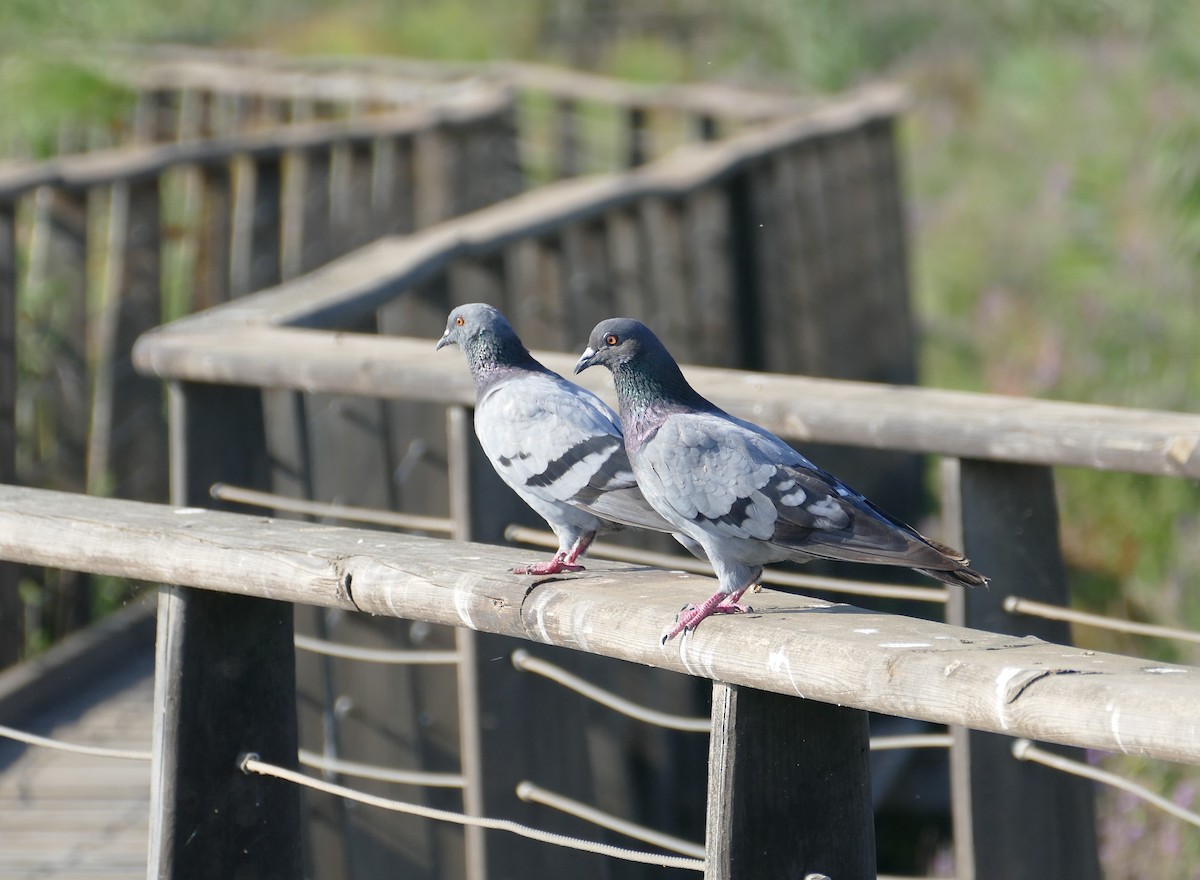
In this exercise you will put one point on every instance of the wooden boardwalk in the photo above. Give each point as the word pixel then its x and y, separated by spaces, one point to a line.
pixel 70 817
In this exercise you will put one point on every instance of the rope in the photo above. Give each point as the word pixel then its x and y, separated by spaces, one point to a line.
pixel 911 741
pixel 380 774
pixel 1017 605
pixel 255 498
pixel 523 661
pixel 376 655
pixel 59 745
pixel 671 562
pixel 250 763
pixel 1024 750
pixel 531 793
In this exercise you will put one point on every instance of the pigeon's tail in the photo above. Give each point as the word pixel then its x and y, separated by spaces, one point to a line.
pixel 958 577
pixel 961 575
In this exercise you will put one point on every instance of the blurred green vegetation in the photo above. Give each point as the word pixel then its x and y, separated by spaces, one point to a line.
pixel 1052 155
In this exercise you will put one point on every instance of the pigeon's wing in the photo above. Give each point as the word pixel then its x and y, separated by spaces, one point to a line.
pixel 559 443
pixel 737 481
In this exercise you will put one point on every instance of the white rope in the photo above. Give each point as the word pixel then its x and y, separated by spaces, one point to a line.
pixel 376 655
pixel 254 498
pixel 59 745
pixel 250 763
pixel 523 661
pixel 380 774
pixel 911 741
pixel 671 562
pixel 1024 750
pixel 531 793
pixel 1017 605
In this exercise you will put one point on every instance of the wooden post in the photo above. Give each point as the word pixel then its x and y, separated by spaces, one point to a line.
pixel 789 788
pixel 1012 818
pixel 11 632
pixel 257 226
pixel 224 679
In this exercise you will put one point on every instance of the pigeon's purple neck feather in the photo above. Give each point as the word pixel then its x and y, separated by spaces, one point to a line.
pixel 494 357
pixel 649 389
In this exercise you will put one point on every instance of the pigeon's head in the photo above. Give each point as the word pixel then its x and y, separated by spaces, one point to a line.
pixel 475 323
pixel 616 342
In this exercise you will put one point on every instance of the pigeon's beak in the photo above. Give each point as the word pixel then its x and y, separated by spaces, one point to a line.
pixel 445 340
pixel 585 359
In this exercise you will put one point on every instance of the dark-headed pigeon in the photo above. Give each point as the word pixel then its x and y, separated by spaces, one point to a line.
pixel 558 446
pixel 739 491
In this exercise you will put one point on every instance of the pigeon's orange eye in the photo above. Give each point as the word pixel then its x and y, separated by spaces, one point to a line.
pixel 610 339
pixel 459 321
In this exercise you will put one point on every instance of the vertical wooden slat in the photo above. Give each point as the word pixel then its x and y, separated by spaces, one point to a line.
pixel 11 614
pixel 315 247
pixel 712 309
pixel 216 228
pixel 225 679
pixel 663 259
pixel 567 139
pixel 433 198
pixel 458 454
pixel 1012 818
pixel 636 152
pixel 129 437
pixel 789 790
pixel 257 239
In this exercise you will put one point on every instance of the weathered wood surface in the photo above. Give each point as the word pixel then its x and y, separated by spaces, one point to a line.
pixel 959 423
pixel 789 789
pixel 133 162
pixel 66 816
pixel 11 606
pixel 792 644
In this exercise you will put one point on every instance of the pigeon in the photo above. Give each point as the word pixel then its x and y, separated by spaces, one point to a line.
pixel 746 497
pixel 557 445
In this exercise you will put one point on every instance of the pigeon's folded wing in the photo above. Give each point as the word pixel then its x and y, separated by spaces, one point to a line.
pixel 738 482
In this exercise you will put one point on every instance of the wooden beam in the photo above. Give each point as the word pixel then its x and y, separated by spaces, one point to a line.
pixel 1013 818
pixel 792 645
pixel 216 348
pixel 225 678
pixel 789 788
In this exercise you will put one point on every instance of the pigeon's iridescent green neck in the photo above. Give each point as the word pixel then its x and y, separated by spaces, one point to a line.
pixel 495 356
pixel 649 392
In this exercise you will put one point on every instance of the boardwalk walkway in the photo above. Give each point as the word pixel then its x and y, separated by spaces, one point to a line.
pixel 71 817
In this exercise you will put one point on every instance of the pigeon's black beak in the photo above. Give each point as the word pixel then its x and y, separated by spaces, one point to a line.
pixel 445 340
pixel 587 359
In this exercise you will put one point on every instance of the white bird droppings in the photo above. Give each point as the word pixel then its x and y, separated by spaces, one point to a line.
pixel 867 632
pixel 1007 674
pixel 188 511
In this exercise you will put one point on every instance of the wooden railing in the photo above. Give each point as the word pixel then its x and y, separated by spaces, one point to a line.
pixel 285 344
pixel 230 693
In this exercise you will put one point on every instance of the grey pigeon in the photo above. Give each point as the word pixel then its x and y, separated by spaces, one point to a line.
pixel 746 497
pixel 557 445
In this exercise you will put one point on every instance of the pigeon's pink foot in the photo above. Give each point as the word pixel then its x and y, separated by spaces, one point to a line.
pixel 718 603
pixel 554 566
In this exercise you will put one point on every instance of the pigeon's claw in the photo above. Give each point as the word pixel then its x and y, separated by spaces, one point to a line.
pixel 718 603
pixel 554 566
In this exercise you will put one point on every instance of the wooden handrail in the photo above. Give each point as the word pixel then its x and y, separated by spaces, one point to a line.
pixel 790 645
pixel 130 163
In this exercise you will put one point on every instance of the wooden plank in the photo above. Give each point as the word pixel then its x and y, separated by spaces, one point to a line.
pixel 987 426
pixel 706 238
pixel 567 139
pixel 266 227
pixel 137 443
pixel 789 789
pixel 1014 818
pixel 225 682
pixel 216 228
pixel 11 607
pixel 792 644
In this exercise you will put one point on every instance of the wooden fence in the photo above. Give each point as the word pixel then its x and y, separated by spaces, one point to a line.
pixel 285 351
pixel 239 170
